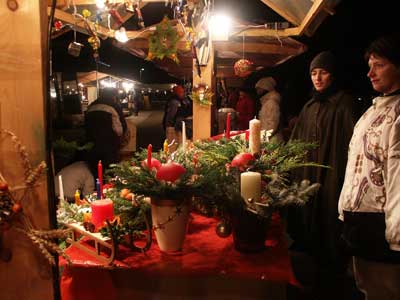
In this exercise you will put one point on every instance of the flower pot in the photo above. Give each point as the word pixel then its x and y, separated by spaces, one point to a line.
pixel 170 219
pixel 249 231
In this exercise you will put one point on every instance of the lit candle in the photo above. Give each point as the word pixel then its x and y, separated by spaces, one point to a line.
pixel 98 188
pixel 165 146
pixel 100 176
pixel 77 197
pixel 60 188
pixel 250 185
pixel 255 136
pixel 149 152
pixel 102 210
pixel 183 136
pixel 228 126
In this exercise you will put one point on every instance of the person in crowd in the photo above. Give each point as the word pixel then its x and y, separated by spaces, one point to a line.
pixel 327 119
pixel 270 99
pixel 233 97
pixel 106 128
pixel 76 176
pixel 177 109
pixel 245 109
pixel 369 203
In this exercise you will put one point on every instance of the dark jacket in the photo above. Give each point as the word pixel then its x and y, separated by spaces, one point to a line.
pixel 106 128
pixel 329 120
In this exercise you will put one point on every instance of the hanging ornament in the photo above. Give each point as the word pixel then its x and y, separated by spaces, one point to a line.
pixel 116 16
pixel 243 67
pixel 223 229
pixel 94 41
pixel 58 25
pixel 86 13
pixel 139 17
pixel 163 42
pixel 202 95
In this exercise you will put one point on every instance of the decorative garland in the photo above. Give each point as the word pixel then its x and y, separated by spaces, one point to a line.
pixel 11 210
pixel 163 42
pixel 202 95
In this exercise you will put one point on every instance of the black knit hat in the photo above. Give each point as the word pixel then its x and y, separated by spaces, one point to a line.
pixel 325 60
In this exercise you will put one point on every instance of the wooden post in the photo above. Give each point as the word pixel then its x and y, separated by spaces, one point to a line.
pixel 202 114
pixel 23 47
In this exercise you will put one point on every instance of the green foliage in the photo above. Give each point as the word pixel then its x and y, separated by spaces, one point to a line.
pixel 163 42
pixel 64 148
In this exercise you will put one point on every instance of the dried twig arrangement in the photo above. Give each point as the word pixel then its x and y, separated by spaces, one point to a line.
pixel 11 211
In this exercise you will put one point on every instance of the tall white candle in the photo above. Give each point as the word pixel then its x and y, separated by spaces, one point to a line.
pixel 183 136
pixel 250 185
pixel 60 188
pixel 255 136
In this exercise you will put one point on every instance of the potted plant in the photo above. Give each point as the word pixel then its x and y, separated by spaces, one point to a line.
pixel 246 189
pixel 169 184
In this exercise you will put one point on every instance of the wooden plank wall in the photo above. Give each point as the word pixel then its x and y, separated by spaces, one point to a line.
pixel 22 92
pixel 202 114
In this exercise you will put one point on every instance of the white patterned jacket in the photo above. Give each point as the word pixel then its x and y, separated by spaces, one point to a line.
pixel 372 180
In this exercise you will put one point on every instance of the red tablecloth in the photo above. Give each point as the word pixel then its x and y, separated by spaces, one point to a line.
pixel 204 254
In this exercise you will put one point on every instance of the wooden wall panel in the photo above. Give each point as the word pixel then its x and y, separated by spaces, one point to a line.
pixel 22 92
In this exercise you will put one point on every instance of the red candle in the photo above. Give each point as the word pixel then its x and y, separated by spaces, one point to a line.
pixel 102 210
pixel 247 134
pixel 100 176
pixel 149 151
pixel 228 126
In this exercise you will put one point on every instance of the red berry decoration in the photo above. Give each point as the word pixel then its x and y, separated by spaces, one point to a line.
pixel 242 160
pixel 170 172
pixel 58 24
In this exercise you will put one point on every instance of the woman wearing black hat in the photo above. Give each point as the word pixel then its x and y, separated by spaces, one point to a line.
pixel 328 120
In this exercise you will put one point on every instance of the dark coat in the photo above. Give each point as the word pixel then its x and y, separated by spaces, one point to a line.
pixel 330 122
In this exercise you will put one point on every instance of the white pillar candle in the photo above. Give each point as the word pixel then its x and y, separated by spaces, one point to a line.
pixel 60 188
pixel 250 185
pixel 255 136
pixel 183 136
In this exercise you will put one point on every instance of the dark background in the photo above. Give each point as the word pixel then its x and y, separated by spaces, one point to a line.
pixel 347 33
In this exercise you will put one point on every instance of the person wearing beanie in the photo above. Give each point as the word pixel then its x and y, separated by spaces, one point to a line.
pixel 270 99
pixel 369 203
pixel 177 108
pixel 326 119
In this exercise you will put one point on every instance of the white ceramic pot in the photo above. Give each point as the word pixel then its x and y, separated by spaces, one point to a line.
pixel 170 220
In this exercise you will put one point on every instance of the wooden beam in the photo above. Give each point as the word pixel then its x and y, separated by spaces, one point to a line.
pixel 317 6
pixel 80 24
pixel 284 13
pixel 260 32
pixel 202 114
pixel 261 48
pixel 89 2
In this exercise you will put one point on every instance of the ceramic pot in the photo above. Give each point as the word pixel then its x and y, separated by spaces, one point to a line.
pixel 170 219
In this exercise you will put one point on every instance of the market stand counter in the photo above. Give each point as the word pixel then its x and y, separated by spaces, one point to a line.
pixel 209 267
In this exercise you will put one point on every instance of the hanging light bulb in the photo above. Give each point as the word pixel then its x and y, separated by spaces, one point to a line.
pixel 120 35
pixel 219 26
pixel 100 4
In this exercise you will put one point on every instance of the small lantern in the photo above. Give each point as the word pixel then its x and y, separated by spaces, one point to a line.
pixel 74 48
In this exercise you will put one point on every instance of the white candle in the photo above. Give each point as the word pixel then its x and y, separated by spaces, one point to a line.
pixel 60 188
pixel 255 136
pixel 183 136
pixel 250 185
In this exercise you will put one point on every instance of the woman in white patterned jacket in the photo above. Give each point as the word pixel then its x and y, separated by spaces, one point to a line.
pixel 369 203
